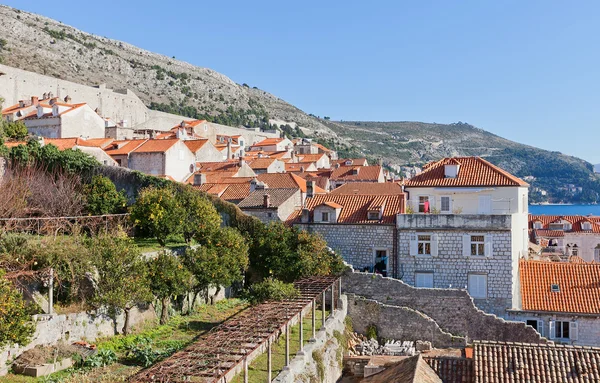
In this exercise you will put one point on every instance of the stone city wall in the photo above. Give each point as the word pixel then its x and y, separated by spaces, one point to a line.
pixel 398 323
pixel 452 309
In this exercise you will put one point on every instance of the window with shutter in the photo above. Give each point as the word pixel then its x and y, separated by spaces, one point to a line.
pixel 424 245
pixel 424 279
pixel 477 286
pixel 573 331
pixel 445 204
pixel 413 244
pixel 488 246
pixel 434 245
pixel 552 331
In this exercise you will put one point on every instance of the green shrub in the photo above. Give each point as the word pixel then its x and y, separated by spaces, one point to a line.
pixel 103 197
pixel 272 289
pixel 15 325
pixel 371 332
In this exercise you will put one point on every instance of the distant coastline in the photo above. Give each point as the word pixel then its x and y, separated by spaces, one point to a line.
pixel 564 209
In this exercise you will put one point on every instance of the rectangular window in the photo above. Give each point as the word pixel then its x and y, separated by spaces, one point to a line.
pixel 561 329
pixel 325 216
pixel 373 215
pixel 424 204
pixel 424 279
pixel 445 208
pixel 424 245
pixel 556 226
pixel 597 254
pixel 477 245
pixel 477 286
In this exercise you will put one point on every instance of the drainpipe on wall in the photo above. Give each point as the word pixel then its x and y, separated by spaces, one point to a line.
pixel 395 253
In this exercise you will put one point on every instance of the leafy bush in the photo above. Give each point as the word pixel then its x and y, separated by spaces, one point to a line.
pixel 101 359
pixel 371 332
pixel 15 326
pixel 272 290
pixel 103 198
pixel 16 130
pixel 158 213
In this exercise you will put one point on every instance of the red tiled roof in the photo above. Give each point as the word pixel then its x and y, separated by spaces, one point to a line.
pixel 575 220
pixel 332 204
pixel 269 141
pixel 261 163
pixel 499 362
pixel 579 285
pixel 311 157
pixel 65 143
pixel 126 147
pixel 229 165
pixel 195 145
pixel 98 142
pixel 473 171
pixel 355 207
pixel 549 233
pixel 355 161
pixel 298 166
pixel 369 188
pixel 365 173
pixel 156 146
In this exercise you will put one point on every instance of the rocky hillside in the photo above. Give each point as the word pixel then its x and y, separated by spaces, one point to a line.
pixel 36 43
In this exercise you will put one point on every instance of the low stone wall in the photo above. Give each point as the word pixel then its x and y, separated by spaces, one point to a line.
pixel 303 368
pixel 452 309
pixel 399 323
pixel 50 329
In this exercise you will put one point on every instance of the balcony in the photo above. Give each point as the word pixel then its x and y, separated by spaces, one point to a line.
pixel 454 221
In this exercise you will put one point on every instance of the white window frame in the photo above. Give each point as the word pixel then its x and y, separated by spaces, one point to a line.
pixel 325 214
pixel 488 247
pixel 477 246
pixel 587 226
pixel 557 330
pixel 423 274
pixel 470 287
pixel 421 240
pixel 537 225
pixel 540 325
pixel 449 210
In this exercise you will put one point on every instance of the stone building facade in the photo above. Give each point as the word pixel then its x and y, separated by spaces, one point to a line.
pixel 356 243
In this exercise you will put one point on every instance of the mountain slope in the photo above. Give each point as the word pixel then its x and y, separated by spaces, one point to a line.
pixel 46 46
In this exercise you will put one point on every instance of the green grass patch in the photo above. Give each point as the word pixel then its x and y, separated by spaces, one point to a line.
pixel 257 370
pixel 176 334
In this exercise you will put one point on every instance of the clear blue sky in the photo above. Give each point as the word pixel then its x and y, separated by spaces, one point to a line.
pixel 526 70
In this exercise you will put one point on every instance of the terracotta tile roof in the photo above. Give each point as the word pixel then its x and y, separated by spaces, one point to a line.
pixel 277 198
pixel 323 148
pixel 195 145
pixel 156 146
pixel 332 204
pixel 217 175
pixel 451 369
pixel 98 142
pixel 579 285
pixel 227 192
pixel 236 180
pixel 12 144
pixel 355 207
pixel 409 370
pixel 123 147
pixel 261 163
pixel 229 165
pixel 499 362
pixel 369 188
pixel 268 142
pixel 188 124
pixel 311 157
pixel 65 143
pixel 575 220
pixel 549 233
pixel 286 180
pixel 473 171
pixel 355 161
pixel 298 166
pixel 365 173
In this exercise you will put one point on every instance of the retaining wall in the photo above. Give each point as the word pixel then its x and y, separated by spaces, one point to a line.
pixel 399 323
pixel 452 309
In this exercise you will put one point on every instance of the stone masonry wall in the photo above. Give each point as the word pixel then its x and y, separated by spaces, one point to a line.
pixel 452 309
pixel 355 243
pixel 451 268
pixel 399 323
pixel 588 326
pixel 71 327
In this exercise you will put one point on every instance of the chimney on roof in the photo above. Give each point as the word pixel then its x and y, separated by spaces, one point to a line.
pixel 301 169
pixel 305 217
pixel 294 158
pixel 34 100
pixel 53 100
pixel 199 179
pixel 253 184
pixel 355 171
pixel 68 99
pixel 229 151
pixel 380 161
pixel 44 96
pixel 21 103
pixel 182 124
pixel 310 188
pixel 267 200
pixel 50 95
pixel 241 162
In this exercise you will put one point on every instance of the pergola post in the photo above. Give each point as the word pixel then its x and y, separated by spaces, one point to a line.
pixel 323 312
pixel 245 370
pixel 332 298
pixel 269 366
pixel 287 345
pixel 301 336
pixel 340 292
pixel 314 320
